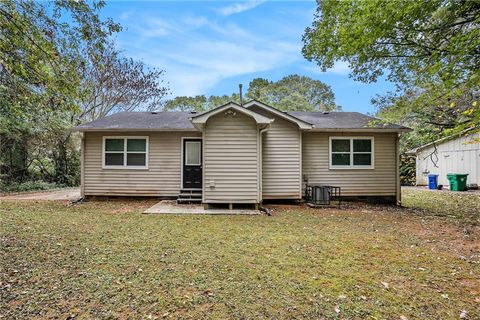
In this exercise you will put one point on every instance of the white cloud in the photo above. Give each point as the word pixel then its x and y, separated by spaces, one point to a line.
pixel 155 27
pixel 201 65
pixel 195 22
pixel 240 7
pixel 198 53
pixel 339 68
pixel 184 82
pixel 126 14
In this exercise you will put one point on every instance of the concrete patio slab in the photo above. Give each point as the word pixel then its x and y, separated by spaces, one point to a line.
pixel 171 207
pixel 63 194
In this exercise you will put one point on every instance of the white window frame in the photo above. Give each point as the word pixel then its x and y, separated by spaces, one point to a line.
pixel 125 153
pixel 199 153
pixel 352 166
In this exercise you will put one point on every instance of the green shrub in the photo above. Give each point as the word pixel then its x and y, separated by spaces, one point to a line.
pixel 9 187
pixel 407 170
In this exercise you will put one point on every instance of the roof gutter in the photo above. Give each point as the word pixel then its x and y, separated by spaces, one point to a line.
pixel 375 130
pixel 131 130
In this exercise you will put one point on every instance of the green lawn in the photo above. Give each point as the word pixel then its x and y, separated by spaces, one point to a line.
pixel 106 260
pixel 463 207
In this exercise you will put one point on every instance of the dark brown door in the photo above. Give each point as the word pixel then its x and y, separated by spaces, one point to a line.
pixel 192 163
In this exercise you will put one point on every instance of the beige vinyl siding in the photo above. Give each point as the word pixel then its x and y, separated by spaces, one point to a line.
pixel 231 159
pixel 380 181
pixel 281 157
pixel 162 178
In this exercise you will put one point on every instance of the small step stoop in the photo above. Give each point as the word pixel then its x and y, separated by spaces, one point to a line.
pixel 190 196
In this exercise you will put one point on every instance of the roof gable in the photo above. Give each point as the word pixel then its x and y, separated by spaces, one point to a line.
pixel 301 123
pixel 201 119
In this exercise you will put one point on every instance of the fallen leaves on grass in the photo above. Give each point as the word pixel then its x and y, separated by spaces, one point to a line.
pixel 300 263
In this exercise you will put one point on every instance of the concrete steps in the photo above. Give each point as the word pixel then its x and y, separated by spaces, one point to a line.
pixel 190 196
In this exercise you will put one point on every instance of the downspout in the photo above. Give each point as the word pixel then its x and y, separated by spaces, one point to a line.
pixel 260 176
pixel 203 164
pixel 82 164
pixel 397 175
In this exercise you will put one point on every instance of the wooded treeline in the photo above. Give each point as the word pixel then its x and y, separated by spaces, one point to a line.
pixel 429 49
pixel 59 67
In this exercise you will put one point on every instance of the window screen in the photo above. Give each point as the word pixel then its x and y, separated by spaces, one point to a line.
pixel 340 152
pixel 351 152
pixel 125 152
pixel 114 159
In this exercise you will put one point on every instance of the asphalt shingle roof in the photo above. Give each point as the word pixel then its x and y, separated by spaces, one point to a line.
pixel 181 121
pixel 142 121
pixel 343 120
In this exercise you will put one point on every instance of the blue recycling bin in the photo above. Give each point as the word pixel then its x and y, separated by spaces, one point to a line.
pixel 433 181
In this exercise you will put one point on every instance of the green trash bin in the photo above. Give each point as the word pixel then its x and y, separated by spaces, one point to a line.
pixel 458 182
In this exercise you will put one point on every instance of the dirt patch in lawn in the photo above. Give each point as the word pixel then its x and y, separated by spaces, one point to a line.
pixel 127 206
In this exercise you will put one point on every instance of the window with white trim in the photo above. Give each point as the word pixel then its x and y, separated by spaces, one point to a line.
pixel 351 153
pixel 125 152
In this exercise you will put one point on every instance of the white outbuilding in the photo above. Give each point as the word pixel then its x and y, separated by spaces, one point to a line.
pixel 454 154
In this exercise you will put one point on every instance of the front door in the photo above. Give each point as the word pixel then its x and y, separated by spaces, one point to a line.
pixel 192 164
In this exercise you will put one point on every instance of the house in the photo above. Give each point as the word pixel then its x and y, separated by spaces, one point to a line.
pixel 454 154
pixel 239 154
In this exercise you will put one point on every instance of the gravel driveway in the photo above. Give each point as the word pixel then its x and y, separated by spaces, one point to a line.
pixel 63 194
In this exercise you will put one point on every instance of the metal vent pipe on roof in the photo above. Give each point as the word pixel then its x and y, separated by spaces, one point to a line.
pixel 241 97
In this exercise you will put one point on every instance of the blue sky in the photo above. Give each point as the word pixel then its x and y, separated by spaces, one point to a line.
pixel 210 47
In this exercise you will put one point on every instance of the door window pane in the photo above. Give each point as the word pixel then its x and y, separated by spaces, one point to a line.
pixel 193 153
pixel 136 159
pixel 341 159
pixel 137 145
pixel 362 145
pixel 340 145
pixel 114 159
pixel 114 145
pixel 362 159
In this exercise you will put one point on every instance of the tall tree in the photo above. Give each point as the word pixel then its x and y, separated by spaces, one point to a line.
pixel 184 103
pixel 291 93
pixel 430 49
pixel 258 88
pixel 198 103
pixel 216 101
pixel 40 55
pixel 59 67
pixel 112 82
